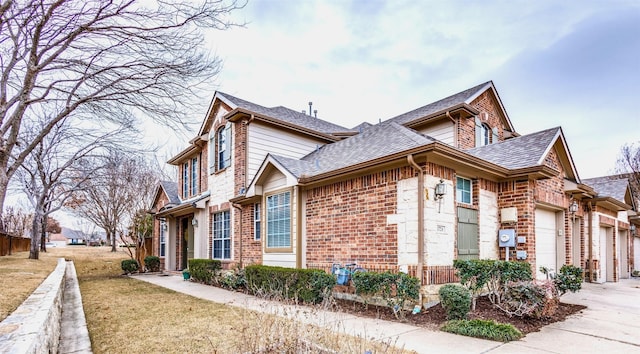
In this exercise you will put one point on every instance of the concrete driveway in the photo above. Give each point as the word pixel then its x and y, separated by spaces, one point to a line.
pixel 610 324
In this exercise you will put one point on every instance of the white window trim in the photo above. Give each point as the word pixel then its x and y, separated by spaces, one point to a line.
pixel 228 235
pixel 257 222
pixel 285 248
pixel 463 191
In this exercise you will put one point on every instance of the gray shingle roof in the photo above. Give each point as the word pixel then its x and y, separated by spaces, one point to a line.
pixel 288 115
pixel 520 152
pixel 438 106
pixel 171 189
pixel 374 142
pixel 609 187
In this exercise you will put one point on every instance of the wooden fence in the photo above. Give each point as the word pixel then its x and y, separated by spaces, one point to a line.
pixel 433 275
pixel 11 244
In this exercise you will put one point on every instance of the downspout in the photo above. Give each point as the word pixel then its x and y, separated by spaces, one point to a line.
pixel 590 209
pixel 239 207
pixel 420 219
pixel 298 227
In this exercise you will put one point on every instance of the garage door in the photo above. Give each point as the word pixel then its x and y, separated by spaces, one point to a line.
pixel 545 241
pixel 636 253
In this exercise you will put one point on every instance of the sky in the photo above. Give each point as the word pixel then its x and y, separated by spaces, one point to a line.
pixel 574 64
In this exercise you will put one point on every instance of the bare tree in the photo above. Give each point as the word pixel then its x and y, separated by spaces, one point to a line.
pixel 114 196
pixel 629 166
pixel 15 221
pixel 56 169
pixel 99 60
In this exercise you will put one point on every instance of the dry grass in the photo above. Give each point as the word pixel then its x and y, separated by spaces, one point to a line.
pixel 20 276
pixel 125 315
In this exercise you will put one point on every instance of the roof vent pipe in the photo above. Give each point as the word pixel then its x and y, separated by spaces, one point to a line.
pixel 315 113
pixel 310 107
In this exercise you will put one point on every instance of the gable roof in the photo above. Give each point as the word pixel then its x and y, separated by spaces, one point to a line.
pixel 170 189
pixel 609 186
pixel 375 142
pixel 455 101
pixel 528 151
pixel 285 114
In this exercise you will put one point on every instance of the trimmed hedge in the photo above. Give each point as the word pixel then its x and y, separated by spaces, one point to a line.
pixel 129 266
pixel 476 274
pixel 486 329
pixel 301 285
pixel 456 301
pixel 204 270
pixel 152 263
pixel 568 279
pixel 397 289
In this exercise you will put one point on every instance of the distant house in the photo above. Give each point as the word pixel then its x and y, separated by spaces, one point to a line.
pixel 445 181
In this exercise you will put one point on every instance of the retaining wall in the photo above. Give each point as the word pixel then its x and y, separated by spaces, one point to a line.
pixel 34 327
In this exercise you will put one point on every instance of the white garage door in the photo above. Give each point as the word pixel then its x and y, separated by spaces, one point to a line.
pixel 636 253
pixel 545 241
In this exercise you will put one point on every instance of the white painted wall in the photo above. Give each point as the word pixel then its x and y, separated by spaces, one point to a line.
pixel 263 139
pixel 440 224
pixel 201 235
pixel 406 219
pixel 636 253
pixel 488 224
pixel 443 131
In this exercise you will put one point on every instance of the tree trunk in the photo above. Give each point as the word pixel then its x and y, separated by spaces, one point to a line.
pixel 113 242
pixel 4 182
pixel 34 252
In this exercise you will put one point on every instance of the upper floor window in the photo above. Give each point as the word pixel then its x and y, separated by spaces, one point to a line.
pixel 185 180
pixel 463 190
pixel 163 238
pixel 484 134
pixel 224 147
pixel 194 175
pixel 256 221
pixel 212 153
pixel 278 219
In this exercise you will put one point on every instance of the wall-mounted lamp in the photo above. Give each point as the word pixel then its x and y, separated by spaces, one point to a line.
pixel 194 222
pixel 633 227
pixel 163 226
pixel 573 208
pixel 440 190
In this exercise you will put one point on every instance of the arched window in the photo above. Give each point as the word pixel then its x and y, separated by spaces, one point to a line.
pixel 224 147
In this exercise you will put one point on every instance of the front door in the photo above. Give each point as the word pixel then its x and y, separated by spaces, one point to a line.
pixel 468 245
pixel 184 239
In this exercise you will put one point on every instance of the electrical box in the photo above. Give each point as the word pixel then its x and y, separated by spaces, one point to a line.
pixel 507 238
pixel 522 239
pixel 509 215
pixel 521 254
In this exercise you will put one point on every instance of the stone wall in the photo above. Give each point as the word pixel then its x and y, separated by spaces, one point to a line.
pixel 34 327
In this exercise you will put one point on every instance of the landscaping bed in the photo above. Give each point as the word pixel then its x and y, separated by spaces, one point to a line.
pixel 435 316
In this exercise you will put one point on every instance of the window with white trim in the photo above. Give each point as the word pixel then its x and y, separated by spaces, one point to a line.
pixel 194 176
pixel 278 220
pixel 212 152
pixel 224 147
pixel 256 221
pixel 163 238
pixel 221 236
pixel 463 190
pixel 185 180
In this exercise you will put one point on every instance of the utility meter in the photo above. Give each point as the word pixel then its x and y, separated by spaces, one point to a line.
pixel 507 238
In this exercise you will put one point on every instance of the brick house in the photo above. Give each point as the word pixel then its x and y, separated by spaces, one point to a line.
pixel 274 186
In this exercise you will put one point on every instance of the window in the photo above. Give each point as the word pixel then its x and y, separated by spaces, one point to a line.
pixel 484 134
pixel 194 175
pixel 279 220
pixel 224 147
pixel 221 236
pixel 256 221
pixel 185 180
pixel 212 153
pixel 163 237
pixel 463 190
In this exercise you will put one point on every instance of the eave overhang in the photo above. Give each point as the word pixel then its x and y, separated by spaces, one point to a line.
pixel 611 203
pixel 462 108
pixel 184 155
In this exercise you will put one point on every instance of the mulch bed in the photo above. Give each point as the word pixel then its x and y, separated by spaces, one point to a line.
pixel 435 316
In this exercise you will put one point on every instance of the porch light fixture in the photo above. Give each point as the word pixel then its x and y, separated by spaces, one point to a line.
pixel 194 222
pixel 633 227
pixel 164 226
pixel 573 208
pixel 440 190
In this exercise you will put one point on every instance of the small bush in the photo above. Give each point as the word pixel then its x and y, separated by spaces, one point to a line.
pixel 233 280
pixel 396 289
pixel 568 279
pixel 456 301
pixel 152 263
pixel 129 266
pixel 300 285
pixel 204 270
pixel 485 329
pixel 536 299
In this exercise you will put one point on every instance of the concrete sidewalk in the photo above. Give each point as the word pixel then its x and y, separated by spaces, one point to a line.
pixel 611 323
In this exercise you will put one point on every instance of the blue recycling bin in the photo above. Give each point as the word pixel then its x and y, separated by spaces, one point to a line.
pixel 343 277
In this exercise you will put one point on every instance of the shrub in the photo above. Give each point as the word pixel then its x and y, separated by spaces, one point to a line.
pixel 233 280
pixel 536 299
pixel 568 279
pixel 204 270
pixel 456 301
pixel 396 289
pixel 129 266
pixel 478 274
pixel 152 263
pixel 486 329
pixel 305 285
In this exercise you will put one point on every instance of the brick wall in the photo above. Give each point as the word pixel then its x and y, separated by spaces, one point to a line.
pixel 246 248
pixel 485 103
pixel 240 154
pixel 347 221
pixel 519 194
